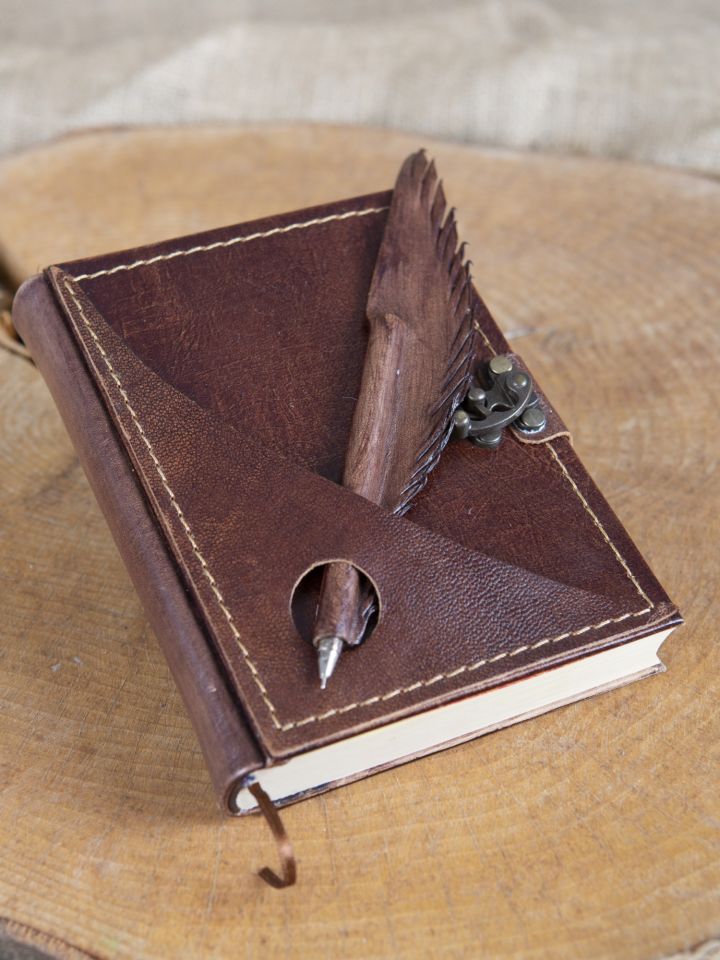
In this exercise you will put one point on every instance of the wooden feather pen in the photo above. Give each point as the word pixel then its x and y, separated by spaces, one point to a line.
pixel 417 370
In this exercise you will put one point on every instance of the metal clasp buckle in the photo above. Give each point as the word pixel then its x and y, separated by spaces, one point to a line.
pixel 500 394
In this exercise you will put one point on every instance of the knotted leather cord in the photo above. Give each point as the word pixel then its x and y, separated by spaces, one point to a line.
pixel 285 849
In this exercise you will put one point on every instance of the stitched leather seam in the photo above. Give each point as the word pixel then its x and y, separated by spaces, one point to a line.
pixel 301 225
pixel 468 668
pixel 618 556
pixel 484 338
pixel 566 473
pixel 176 506
pixel 380 698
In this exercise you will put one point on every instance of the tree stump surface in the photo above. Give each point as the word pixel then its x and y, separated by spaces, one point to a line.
pixel 592 832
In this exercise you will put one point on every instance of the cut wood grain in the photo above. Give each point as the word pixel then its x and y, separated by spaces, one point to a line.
pixel 589 833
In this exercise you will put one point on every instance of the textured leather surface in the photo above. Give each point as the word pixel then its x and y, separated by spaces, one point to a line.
pixel 228 745
pixel 229 363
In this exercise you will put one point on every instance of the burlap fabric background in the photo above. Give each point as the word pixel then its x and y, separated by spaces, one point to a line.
pixel 636 79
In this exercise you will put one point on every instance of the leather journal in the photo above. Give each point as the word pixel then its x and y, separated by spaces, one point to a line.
pixel 208 384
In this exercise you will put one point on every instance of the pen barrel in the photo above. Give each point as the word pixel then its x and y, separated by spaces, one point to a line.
pixel 345 600
pixel 339 605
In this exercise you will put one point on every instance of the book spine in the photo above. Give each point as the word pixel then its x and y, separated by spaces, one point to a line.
pixel 230 750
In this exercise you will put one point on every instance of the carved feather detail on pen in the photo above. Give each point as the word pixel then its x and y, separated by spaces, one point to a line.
pixel 417 370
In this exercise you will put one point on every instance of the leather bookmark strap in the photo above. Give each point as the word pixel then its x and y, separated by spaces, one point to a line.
pixel 285 849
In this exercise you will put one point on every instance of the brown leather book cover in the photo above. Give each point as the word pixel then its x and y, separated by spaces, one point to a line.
pixel 209 384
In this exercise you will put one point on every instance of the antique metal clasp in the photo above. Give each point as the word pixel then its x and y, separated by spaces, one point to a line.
pixel 502 394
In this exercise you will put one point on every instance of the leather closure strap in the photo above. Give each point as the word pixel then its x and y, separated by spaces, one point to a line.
pixel 285 849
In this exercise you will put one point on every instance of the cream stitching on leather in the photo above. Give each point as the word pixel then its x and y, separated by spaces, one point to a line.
pixel 302 225
pixel 380 698
pixel 466 669
pixel 621 560
pixel 576 489
pixel 185 525
pixel 482 333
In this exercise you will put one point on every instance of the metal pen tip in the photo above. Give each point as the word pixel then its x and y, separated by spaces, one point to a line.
pixel 328 654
